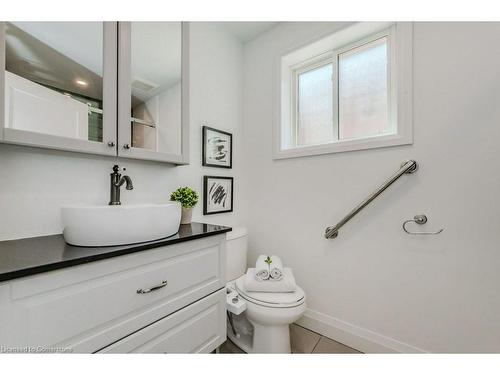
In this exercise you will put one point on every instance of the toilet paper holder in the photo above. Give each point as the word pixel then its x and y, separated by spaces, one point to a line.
pixel 420 220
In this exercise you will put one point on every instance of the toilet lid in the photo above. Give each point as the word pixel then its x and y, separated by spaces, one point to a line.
pixel 271 299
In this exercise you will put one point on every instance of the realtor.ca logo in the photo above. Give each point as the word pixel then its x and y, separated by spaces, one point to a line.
pixel 33 349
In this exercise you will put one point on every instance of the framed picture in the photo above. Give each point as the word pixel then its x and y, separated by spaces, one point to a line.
pixel 217 148
pixel 217 195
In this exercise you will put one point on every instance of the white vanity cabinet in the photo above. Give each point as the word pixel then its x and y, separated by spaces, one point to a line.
pixel 165 300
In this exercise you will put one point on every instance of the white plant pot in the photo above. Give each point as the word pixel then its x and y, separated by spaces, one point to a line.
pixel 187 214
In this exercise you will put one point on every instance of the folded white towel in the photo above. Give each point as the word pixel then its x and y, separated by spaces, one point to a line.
pixel 285 285
pixel 276 268
pixel 261 268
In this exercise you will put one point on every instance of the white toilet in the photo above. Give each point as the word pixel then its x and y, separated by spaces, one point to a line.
pixel 258 322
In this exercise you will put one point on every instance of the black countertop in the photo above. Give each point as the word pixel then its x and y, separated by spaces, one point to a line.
pixel 29 256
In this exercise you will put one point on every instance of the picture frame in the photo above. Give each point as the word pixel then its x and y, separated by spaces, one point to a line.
pixel 218 194
pixel 217 148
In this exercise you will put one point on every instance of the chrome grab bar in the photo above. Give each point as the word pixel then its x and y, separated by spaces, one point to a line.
pixel 409 167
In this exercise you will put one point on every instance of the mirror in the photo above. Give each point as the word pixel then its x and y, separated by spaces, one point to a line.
pixel 156 88
pixel 54 78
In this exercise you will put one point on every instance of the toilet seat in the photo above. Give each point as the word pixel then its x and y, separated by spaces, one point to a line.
pixel 273 300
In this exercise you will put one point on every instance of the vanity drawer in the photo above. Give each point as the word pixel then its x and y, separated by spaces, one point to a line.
pixel 198 328
pixel 87 307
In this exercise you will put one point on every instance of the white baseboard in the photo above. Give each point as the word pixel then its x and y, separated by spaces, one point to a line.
pixel 356 337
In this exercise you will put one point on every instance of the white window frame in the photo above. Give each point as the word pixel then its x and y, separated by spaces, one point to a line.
pixel 400 47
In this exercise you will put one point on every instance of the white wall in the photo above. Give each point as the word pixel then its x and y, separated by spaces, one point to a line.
pixel 375 287
pixel 35 183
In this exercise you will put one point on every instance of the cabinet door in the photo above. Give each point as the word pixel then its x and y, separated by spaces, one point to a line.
pixel 153 97
pixel 58 85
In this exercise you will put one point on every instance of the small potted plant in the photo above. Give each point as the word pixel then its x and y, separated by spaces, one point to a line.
pixel 188 198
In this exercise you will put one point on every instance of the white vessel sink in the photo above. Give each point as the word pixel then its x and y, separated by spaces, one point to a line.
pixel 119 225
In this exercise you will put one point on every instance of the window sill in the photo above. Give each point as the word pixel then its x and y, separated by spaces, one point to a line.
pixel 344 146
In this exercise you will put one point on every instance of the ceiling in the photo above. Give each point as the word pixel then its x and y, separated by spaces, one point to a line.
pixel 50 51
pixel 156 56
pixel 46 52
pixel 48 55
pixel 246 31
pixel 61 36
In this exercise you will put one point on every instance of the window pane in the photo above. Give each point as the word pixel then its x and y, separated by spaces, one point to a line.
pixel 315 90
pixel 363 104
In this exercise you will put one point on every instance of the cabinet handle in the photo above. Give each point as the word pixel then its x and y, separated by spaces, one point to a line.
pixel 126 146
pixel 111 144
pixel 153 288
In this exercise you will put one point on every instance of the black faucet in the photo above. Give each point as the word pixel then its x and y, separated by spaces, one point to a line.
pixel 118 180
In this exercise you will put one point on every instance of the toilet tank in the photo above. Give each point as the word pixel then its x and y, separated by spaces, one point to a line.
pixel 236 253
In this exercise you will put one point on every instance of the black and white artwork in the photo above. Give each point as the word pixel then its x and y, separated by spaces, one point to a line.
pixel 217 148
pixel 217 195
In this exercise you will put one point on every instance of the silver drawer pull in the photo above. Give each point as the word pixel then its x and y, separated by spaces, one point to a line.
pixel 153 288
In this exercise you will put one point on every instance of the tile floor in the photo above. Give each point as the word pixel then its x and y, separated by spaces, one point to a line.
pixel 302 341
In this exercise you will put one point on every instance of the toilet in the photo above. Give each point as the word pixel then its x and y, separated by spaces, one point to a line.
pixel 258 322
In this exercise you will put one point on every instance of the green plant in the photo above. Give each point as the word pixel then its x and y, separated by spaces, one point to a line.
pixel 268 260
pixel 186 196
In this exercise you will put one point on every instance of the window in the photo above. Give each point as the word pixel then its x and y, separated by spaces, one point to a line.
pixel 314 105
pixel 364 91
pixel 349 91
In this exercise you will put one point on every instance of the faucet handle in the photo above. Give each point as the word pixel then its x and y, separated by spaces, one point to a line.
pixel 117 169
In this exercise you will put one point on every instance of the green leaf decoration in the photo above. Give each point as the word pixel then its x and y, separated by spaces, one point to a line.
pixel 268 260
pixel 186 196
